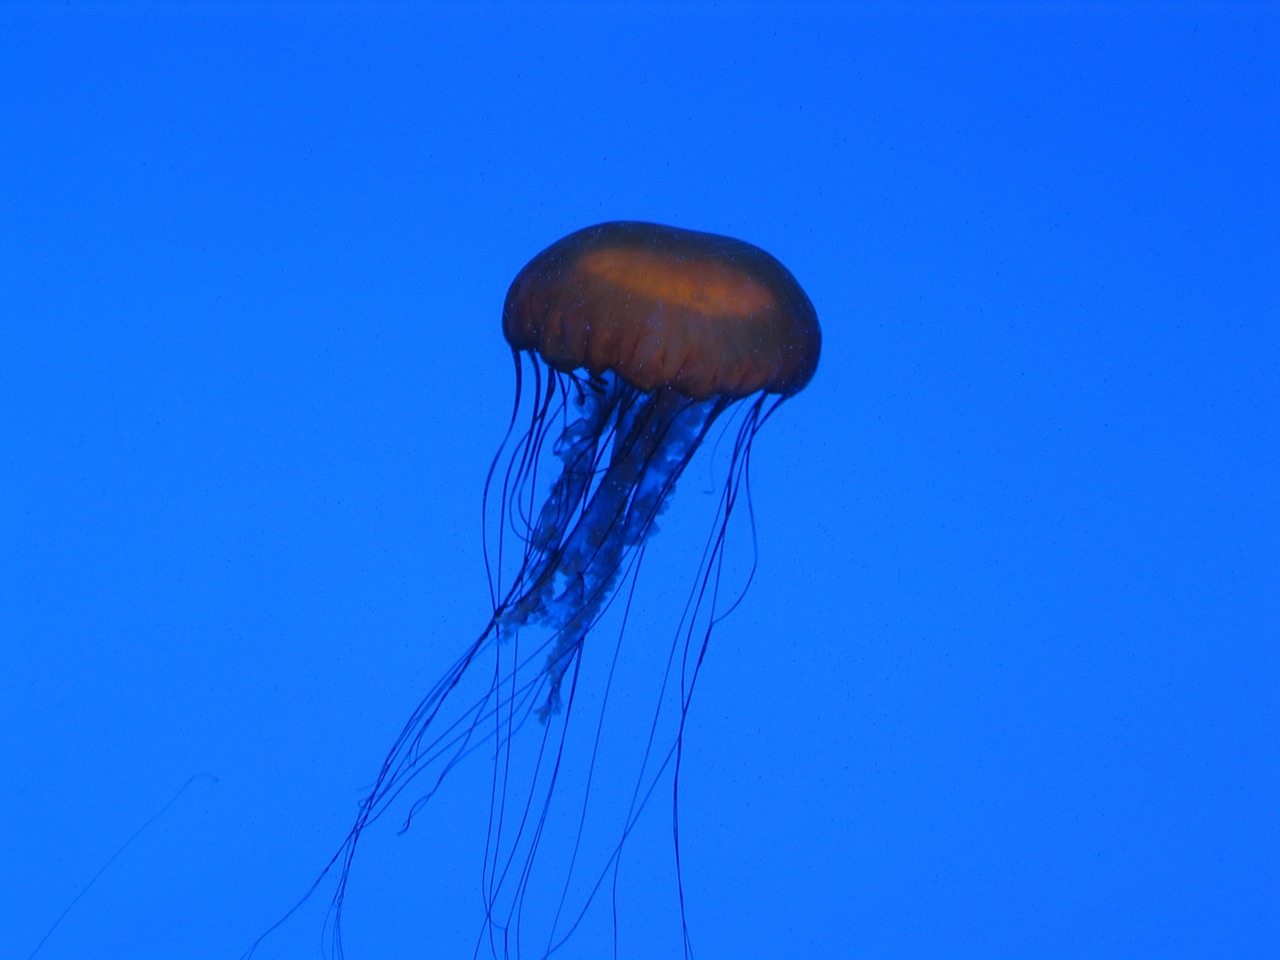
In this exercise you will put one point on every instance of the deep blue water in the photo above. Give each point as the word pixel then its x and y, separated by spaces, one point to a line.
pixel 1007 682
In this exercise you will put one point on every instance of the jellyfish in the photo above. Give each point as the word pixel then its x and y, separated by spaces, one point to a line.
pixel 631 341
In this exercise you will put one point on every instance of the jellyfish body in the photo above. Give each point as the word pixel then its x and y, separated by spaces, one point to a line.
pixel 631 341
pixel 673 326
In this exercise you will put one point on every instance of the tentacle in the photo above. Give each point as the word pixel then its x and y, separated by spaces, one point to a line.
pixel 595 515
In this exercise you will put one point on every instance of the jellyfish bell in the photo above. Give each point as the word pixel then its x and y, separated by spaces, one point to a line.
pixel 703 315
pixel 630 342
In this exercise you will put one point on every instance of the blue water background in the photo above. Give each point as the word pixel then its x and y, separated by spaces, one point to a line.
pixel 1007 683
